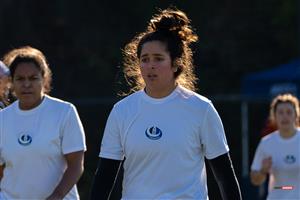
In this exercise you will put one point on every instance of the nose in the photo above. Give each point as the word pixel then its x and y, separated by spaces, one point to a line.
pixel 152 64
pixel 26 83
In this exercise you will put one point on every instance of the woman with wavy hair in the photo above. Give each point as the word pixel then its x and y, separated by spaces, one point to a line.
pixel 163 130
pixel 42 140
pixel 278 153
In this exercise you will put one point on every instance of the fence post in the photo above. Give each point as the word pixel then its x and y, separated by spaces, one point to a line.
pixel 245 139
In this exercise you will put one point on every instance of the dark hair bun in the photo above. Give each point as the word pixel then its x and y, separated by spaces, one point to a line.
pixel 174 21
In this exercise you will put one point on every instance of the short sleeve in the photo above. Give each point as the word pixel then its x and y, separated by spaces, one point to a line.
pixel 111 146
pixel 258 157
pixel 73 137
pixel 213 137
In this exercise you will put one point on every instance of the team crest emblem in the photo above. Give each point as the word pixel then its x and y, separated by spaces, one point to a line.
pixel 290 159
pixel 153 133
pixel 25 139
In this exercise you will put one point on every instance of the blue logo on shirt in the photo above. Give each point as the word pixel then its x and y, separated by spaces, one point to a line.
pixel 153 133
pixel 290 159
pixel 25 139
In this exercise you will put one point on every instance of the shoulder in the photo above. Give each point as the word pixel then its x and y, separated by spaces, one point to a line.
pixel 269 138
pixel 9 108
pixel 128 102
pixel 56 103
pixel 192 98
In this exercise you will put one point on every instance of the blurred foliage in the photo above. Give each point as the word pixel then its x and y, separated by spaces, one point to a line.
pixel 83 40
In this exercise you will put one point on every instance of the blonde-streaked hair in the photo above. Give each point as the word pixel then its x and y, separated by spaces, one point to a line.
pixel 284 98
pixel 171 27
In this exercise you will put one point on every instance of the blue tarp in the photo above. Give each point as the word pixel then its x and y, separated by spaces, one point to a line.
pixel 265 84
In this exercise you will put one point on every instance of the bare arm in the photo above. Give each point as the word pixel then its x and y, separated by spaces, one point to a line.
pixel 258 177
pixel 223 171
pixel 71 175
pixel 1 171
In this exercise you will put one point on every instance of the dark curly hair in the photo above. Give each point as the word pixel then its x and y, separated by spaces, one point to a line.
pixel 29 54
pixel 171 27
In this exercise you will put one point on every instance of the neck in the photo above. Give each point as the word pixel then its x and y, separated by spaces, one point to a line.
pixel 287 133
pixel 161 92
pixel 30 105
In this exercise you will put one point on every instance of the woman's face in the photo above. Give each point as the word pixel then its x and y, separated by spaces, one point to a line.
pixel 156 66
pixel 285 116
pixel 28 85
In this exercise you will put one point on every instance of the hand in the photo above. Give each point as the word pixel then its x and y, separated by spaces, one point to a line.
pixel 266 165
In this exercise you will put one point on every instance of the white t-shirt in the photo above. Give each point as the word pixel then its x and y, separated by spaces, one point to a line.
pixel 285 169
pixel 32 147
pixel 164 142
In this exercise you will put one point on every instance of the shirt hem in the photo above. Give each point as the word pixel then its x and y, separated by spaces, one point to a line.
pixel 212 156
pixel 74 149
pixel 110 156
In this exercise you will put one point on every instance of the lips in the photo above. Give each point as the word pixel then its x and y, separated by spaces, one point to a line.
pixel 26 93
pixel 285 122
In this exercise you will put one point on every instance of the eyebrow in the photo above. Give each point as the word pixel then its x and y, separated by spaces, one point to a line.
pixel 31 75
pixel 155 54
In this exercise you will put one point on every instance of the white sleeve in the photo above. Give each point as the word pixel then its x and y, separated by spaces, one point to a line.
pixel 111 146
pixel 73 137
pixel 213 137
pixel 258 157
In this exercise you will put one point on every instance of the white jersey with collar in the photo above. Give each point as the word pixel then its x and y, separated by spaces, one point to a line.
pixel 164 142
pixel 285 169
pixel 33 144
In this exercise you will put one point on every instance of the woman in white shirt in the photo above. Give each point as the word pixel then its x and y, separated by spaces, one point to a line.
pixel 164 129
pixel 42 139
pixel 278 154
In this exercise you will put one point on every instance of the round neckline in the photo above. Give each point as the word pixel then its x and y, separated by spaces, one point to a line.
pixel 31 111
pixel 160 100
pixel 290 139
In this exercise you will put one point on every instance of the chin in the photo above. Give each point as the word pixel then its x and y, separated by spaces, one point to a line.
pixel 285 127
